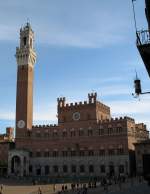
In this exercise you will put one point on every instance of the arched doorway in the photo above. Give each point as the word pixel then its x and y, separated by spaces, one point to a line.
pixel 16 165
pixel 111 169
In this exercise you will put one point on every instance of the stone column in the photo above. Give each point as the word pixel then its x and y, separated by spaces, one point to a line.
pixel 22 166
pixel 42 171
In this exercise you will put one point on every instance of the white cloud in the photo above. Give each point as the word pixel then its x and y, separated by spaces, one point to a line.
pixel 115 90
pixel 7 115
pixel 130 107
pixel 68 23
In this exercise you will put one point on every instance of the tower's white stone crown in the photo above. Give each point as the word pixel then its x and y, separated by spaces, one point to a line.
pixel 25 54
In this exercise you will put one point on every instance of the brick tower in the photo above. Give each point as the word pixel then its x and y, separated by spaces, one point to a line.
pixel 26 58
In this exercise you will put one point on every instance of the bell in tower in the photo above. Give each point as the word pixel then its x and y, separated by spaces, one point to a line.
pixel 26 58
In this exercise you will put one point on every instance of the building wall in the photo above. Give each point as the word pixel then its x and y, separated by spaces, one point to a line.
pixel 141 149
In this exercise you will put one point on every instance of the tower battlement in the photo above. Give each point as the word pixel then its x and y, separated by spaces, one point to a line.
pixel 86 110
pixel 92 99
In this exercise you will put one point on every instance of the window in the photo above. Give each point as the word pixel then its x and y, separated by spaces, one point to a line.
pixel 55 169
pixel 38 154
pixel 38 171
pixel 110 131
pixel 91 168
pixel 73 153
pixel 64 153
pixel 88 116
pixel 81 132
pixel 64 134
pixel 73 133
pixel 101 131
pixel 64 119
pixel 82 169
pixel 24 41
pixel 55 133
pixel 46 134
pixel 121 169
pixel 38 134
pixel 30 154
pixel 82 153
pixel 90 132
pixel 73 169
pixel 65 168
pixel 101 152
pixel 46 170
pixel 29 133
pixel 46 153
pixel 31 42
pixel 102 168
pixel 120 151
pixel 111 152
pixel 119 130
pixel 30 169
pixel 55 153
pixel 91 153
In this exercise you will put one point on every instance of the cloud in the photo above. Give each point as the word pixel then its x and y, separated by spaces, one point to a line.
pixel 68 23
pixel 7 115
pixel 115 90
pixel 130 107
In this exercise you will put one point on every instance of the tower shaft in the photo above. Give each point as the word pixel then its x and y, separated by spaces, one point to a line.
pixel 26 58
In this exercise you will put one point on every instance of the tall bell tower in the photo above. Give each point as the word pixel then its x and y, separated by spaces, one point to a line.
pixel 26 58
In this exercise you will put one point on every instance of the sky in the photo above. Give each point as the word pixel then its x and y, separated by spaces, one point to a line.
pixel 82 46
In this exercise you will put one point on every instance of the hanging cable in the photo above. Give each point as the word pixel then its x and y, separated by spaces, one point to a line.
pixel 135 24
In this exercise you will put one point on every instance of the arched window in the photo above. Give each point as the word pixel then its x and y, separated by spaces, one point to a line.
pixel 82 153
pixel 55 133
pixel 46 153
pixel 64 153
pixel 90 132
pixel 101 131
pixel 64 133
pixel 55 153
pixel 73 153
pixel 91 153
pixel 110 131
pixel 120 150
pixel 111 152
pixel 38 153
pixel 46 134
pixel 38 134
pixel 24 41
pixel 72 133
pixel 119 130
pixel 102 152
pixel 31 43
pixel 81 132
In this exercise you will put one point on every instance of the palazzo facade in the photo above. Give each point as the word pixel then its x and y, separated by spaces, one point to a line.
pixel 86 141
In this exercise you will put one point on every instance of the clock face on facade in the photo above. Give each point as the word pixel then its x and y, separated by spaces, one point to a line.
pixel 76 116
pixel 21 124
